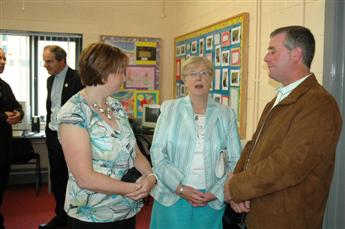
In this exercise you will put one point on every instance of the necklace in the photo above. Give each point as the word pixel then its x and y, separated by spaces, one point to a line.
pixel 105 111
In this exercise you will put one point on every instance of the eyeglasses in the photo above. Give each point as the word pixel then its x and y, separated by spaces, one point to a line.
pixel 194 75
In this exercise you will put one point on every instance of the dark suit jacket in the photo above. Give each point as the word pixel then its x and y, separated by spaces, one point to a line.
pixel 8 102
pixel 71 86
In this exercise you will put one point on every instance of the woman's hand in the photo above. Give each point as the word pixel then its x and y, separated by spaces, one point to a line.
pixel 145 184
pixel 192 195
pixel 206 197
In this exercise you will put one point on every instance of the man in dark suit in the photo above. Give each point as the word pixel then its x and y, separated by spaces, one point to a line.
pixel 10 113
pixel 63 83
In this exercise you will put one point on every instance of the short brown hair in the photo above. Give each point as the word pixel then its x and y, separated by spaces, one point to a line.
pixel 298 36
pixel 98 61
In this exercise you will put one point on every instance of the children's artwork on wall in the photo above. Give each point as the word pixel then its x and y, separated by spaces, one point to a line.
pixel 144 97
pixel 226 44
pixel 177 90
pixel 178 50
pixel 127 100
pixel 143 71
pixel 209 43
pixel 201 47
pixel 194 46
pixel 183 49
pixel 235 57
pixel 234 95
pixel 182 89
pixel 225 38
pixel 235 77
pixel 146 53
pixel 216 39
pixel 126 46
pixel 178 69
pixel 225 79
pixel 217 79
pixel 236 35
pixel 140 77
pixel 225 58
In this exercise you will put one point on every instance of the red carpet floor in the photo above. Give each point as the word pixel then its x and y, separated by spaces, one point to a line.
pixel 23 210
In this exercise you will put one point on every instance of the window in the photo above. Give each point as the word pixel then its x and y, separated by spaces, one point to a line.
pixel 25 71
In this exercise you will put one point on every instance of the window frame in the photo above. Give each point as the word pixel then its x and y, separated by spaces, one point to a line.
pixel 34 61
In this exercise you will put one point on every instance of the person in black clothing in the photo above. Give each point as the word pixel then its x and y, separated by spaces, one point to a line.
pixel 10 113
pixel 63 83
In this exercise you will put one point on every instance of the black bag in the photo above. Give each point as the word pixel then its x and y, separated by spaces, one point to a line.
pixel 231 217
pixel 131 176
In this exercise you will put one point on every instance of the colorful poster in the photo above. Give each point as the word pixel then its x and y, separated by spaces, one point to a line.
pixel 143 71
pixel 140 77
pixel 127 100
pixel 144 97
pixel 146 53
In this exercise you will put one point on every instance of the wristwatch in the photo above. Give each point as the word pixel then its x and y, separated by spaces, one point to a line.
pixel 180 190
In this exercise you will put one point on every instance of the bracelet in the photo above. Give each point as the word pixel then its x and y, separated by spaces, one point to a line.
pixel 180 190
pixel 150 175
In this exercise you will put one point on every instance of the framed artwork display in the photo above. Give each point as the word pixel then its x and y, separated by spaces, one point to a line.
pixel 225 43
pixel 143 71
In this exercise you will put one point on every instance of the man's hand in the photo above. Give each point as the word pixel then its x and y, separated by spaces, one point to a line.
pixel 243 207
pixel 13 117
pixel 227 196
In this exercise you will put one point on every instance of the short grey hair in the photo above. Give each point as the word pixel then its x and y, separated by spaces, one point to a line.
pixel 196 61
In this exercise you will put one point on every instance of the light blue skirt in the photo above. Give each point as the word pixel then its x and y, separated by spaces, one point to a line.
pixel 182 215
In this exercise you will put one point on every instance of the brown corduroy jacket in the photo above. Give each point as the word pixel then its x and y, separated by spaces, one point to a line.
pixel 292 156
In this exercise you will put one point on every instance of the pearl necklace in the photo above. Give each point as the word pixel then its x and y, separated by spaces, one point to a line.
pixel 106 112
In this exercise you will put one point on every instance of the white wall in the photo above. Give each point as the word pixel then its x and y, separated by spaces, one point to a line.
pixel 95 18
pixel 144 18
pixel 264 17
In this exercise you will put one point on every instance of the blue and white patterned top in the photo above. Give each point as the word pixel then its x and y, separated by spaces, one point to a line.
pixel 113 153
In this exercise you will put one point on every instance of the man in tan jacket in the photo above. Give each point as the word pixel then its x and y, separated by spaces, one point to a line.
pixel 284 174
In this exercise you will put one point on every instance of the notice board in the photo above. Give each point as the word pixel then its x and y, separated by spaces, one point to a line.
pixel 225 43
pixel 142 84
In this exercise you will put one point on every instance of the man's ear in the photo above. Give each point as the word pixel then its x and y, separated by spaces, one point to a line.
pixel 297 54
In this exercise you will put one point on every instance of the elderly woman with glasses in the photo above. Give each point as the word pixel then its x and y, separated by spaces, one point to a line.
pixel 195 144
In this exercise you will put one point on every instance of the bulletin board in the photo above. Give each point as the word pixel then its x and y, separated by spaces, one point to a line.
pixel 142 84
pixel 225 43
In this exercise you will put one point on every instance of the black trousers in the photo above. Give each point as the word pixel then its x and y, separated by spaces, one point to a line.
pixel 123 224
pixel 58 172
pixel 5 164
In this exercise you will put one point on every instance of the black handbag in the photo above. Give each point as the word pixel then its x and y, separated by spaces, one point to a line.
pixel 131 176
pixel 231 217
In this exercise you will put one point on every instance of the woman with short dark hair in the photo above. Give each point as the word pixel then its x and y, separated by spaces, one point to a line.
pixel 100 147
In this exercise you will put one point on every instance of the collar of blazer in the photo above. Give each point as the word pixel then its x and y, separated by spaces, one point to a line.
pixel 300 90
pixel 187 115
